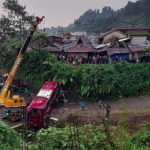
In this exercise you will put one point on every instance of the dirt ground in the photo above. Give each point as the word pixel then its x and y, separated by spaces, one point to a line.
pixel 137 112
pixel 138 105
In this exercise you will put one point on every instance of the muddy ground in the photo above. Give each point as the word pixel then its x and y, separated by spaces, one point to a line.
pixel 137 111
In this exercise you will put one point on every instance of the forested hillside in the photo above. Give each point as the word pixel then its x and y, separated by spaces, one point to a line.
pixel 94 22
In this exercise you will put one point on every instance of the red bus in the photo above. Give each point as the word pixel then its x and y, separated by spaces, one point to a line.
pixel 38 112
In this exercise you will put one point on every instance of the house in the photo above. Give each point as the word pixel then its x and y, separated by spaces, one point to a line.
pixel 133 41
pixel 67 36
pixel 115 48
pixel 80 48
pixel 54 38
pixel 138 37
pixel 103 38
pixel 79 34
pixel 54 50
pixel 107 37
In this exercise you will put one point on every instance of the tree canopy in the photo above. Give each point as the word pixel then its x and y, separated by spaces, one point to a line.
pixel 17 21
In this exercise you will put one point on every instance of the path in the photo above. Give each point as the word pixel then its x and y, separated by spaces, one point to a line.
pixel 93 109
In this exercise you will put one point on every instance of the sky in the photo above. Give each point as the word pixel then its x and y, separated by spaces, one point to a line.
pixel 64 12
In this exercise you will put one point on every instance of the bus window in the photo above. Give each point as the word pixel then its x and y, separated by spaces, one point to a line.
pixel 35 111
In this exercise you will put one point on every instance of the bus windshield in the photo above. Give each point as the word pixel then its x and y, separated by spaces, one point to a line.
pixel 35 112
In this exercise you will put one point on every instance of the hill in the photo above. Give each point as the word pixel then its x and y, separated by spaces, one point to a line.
pixel 94 22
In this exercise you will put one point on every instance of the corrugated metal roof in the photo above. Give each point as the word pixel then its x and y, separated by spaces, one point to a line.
pixel 138 32
pixel 124 30
pixel 101 46
pixel 78 33
pixel 138 48
pixel 124 39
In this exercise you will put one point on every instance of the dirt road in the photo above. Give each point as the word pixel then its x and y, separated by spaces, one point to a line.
pixel 138 104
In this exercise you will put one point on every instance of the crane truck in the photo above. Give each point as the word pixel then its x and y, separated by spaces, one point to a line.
pixel 13 107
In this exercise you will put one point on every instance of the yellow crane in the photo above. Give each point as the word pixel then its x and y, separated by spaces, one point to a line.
pixel 12 104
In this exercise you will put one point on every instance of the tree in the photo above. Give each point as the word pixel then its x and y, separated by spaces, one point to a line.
pixel 40 40
pixel 18 13
pixel 10 45
pixel 6 28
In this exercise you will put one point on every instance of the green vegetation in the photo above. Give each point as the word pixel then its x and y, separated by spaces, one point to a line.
pixel 142 138
pixel 17 21
pixel 89 137
pixel 83 137
pixel 9 139
pixel 134 14
pixel 124 78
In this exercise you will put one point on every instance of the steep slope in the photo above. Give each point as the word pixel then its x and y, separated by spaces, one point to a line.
pixel 133 14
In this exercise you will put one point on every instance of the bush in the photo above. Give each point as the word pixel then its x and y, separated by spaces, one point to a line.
pixel 9 139
pixel 142 138
pixel 96 81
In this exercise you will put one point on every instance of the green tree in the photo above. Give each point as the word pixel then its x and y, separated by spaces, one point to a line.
pixel 12 45
pixel 39 40
pixel 6 28
pixel 18 15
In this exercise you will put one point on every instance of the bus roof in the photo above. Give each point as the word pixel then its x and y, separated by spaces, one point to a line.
pixel 43 95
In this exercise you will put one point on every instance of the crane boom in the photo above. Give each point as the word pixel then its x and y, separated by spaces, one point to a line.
pixel 18 61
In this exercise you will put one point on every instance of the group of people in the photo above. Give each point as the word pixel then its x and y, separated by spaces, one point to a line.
pixel 97 59
pixel 132 59
pixel 61 57
pixel 100 103
pixel 79 60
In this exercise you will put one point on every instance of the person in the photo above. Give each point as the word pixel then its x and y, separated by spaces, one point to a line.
pixel 29 97
pixel 65 102
pixel 7 114
pixel 26 91
pixel 100 104
pixel 83 106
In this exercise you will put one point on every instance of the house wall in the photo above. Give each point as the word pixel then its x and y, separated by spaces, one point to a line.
pixel 138 40
pixel 67 36
pixel 116 34
pixel 76 53
pixel 126 55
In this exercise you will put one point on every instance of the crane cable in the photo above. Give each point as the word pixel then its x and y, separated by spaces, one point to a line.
pixel 43 25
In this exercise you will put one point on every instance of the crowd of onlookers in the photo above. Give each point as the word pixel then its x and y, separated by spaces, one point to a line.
pixel 132 59
pixel 79 60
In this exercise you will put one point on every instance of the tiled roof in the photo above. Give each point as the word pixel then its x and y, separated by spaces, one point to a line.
pixel 63 46
pixel 80 48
